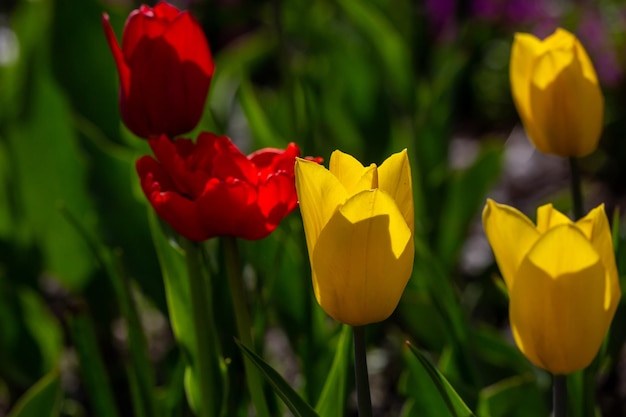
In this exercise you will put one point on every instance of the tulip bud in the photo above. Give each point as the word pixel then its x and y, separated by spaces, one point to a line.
pixel 562 281
pixel 358 223
pixel 165 68
pixel 556 92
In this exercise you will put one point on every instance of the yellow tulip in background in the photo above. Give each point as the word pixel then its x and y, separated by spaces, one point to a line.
pixel 359 225
pixel 562 282
pixel 556 92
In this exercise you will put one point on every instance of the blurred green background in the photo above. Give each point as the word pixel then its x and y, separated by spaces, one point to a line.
pixel 369 77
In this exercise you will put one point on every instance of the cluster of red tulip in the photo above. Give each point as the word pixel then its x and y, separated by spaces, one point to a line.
pixel 205 188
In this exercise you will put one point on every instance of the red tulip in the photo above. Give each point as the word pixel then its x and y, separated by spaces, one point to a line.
pixel 209 188
pixel 165 68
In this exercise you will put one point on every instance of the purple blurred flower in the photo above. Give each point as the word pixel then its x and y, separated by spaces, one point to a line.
pixel 441 16
pixel 594 35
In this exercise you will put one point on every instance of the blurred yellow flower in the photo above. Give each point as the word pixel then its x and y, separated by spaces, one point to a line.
pixel 359 227
pixel 562 281
pixel 556 92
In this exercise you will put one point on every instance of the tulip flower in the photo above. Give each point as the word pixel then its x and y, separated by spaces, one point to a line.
pixel 209 188
pixel 165 68
pixel 556 92
pixel 562 282
pixel 359 224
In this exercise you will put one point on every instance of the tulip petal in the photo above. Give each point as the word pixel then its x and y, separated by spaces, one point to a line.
pixel 394 178
pixel 230 208
pixel 595 226
pixel 511 235
pixel 346 168
pixel 319 195
pixel 363 259
pixel 548 217
pixel 526 48
pixel 557 302
pixel 567 107
pixel 178 211
pixel 122 67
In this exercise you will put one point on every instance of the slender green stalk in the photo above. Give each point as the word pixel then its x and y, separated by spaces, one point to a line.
pixel 364 400
pixel 92 366
pixel 202 322
pixel 559 396
pixel 242 317
pixel 588 376
pixel 577 194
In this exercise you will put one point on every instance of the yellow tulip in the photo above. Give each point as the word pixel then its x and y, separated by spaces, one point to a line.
pixel 562 281
pixel 359 225
pixel 556 92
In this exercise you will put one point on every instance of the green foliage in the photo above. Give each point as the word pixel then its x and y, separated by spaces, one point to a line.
pixel 79 245
pixel 42 399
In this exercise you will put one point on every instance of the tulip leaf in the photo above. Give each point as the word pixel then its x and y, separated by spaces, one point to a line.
pixel 291 398
pixel 260 125
pixel 82 331
pixel 179 303
pixel 332 400
pixel 392 51
pixel 466 195
pixel 47 180
pixel 453 402
pixel 517 396
pixel 42 399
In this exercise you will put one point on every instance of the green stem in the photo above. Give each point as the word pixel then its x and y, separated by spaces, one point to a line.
pixel 242 317
pixel 559 391
pixel 588 377
pixel 202 322
pixel 93 370
pixel 364 400
pixel 577 195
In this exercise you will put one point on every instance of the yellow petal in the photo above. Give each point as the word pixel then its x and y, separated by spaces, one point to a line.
pixel 567 106
pixel 548 217
pixel 394 178
pixel 346 168
pixel 557 302
pixel 526 48
pixel 595 226
pixel 319 195
pixel 363 259
pixel 511 235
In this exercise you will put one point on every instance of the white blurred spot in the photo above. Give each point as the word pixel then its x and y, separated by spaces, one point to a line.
pixel 9 47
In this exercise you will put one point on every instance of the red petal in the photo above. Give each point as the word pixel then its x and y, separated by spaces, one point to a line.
pixel 179 212
pixel 277 197
pixel 221 159
pixel 231 209
pixel 166 11
pixel 122 68
pixel 187 37
pixel 187 180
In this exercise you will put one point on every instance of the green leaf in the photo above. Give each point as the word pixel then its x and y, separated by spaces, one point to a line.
pixel 51 171
pixel 260 125
pixel 332 400
pixel 453 402
pixel 393 52
pixel 42 399
pixel 174 272
pixel 466 196
pixel 93 371
pixel 180 306
pixel 517 396
pixel 292 400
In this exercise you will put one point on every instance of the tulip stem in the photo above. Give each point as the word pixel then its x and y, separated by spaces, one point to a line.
pixel 364 400
pixel 577 195
pixel 204 327
pixel 244 329
pixel 559 391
